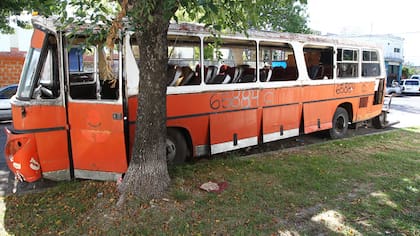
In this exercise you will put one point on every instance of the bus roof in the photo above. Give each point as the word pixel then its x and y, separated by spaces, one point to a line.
pixel 52 24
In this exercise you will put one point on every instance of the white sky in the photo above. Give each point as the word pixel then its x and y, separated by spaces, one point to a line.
pixel 399 18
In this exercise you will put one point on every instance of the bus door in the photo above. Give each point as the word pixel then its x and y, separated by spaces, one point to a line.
pixel 95 113
pixel 37 143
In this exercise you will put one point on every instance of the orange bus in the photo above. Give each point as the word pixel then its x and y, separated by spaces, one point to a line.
pixel 75 109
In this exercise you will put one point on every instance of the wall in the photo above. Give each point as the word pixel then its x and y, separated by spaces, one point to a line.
pixel 11 64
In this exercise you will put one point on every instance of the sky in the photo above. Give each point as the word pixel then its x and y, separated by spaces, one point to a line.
pixel 399 18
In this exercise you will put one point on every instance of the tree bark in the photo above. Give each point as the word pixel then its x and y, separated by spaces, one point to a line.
pixel 147 175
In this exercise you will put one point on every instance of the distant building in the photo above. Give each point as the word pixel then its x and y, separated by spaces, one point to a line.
pixel 393 48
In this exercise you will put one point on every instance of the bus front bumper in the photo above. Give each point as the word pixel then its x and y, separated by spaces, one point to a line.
pixel 22 157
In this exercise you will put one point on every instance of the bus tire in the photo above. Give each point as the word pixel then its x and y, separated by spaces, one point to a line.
pixel 340 123
pixel 379 122
pixel 176 147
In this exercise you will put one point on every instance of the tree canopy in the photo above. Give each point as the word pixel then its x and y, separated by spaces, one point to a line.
pixel 15 7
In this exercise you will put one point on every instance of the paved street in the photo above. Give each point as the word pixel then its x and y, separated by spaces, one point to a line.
pixel 4 171
pixel 405 109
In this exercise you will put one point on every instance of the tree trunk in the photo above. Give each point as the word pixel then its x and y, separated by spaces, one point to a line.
pixel 147 175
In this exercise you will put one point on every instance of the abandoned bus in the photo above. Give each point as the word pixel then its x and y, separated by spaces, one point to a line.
pixel 75 109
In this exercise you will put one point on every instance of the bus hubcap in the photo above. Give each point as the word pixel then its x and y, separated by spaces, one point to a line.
pixel 170 150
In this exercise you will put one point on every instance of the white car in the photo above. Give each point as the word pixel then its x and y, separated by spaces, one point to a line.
pixel 394 90
pixel 6 93
pixel 410 86
pixel 415 77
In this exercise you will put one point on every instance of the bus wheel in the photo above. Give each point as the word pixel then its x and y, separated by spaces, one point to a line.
pixel 340 123
pixel 379 122
pixel 176 147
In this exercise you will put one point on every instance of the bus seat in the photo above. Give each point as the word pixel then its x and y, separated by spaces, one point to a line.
pixel 239 72
pixel 231 71
pixel 223 77
pixel 291 73
pixel 210 72
pixel 269 74
pixel 248 76
pixel 177 77
pixel 170 73
pixel 328 71
pixel 278 74
pixel 186 76
pixel 316 72
pixel 265 74
pixel 196 77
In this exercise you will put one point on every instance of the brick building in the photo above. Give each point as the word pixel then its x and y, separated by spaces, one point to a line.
pixel 13 48
pixel 11 64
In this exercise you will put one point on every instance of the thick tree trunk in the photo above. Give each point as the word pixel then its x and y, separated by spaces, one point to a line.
pixel 147 176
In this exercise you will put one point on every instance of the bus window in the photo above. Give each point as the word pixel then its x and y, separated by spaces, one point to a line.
pixel 27 80
pixel 370 64
pixel 319 61
pixel 277 62
pixel 93 72
pixel 233 61
pixel 45 83
pixel 347 63
pixel 184 60
pixel 48 84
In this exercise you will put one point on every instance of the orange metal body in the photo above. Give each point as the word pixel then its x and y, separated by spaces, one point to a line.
pixel 46 134
pixel 97 138
pixel 212 118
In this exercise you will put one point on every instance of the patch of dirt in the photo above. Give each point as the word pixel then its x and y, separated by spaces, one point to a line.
pixel 304 220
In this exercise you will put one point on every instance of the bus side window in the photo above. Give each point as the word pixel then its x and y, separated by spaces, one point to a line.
pixel 184 61
pixel 370 64
pixel 93 72
pixel 278 62
pixel 347 63
pixel 48 86
pixel 81 72
pixel 319 61
pixel 230 61
pixel 108 60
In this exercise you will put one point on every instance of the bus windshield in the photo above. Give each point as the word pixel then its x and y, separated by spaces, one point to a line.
pixel 27 77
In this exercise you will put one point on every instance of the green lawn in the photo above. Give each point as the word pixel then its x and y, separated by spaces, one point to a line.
pixel 364 185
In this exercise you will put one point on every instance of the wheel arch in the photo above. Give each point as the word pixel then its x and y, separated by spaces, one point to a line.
pixel 349 108
pixel 187 136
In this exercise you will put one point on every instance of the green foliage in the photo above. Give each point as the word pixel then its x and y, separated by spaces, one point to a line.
pixel 15 7
pixel 408 70
pixel 238 16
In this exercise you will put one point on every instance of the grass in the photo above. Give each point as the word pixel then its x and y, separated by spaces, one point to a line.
pixel 360 186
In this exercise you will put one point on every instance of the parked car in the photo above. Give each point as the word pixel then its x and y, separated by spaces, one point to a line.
pixel 6 93
pixel 415 77
pixel 395 89
pixel 410 86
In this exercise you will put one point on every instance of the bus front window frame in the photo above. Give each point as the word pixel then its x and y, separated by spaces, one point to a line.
pixel 27 80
